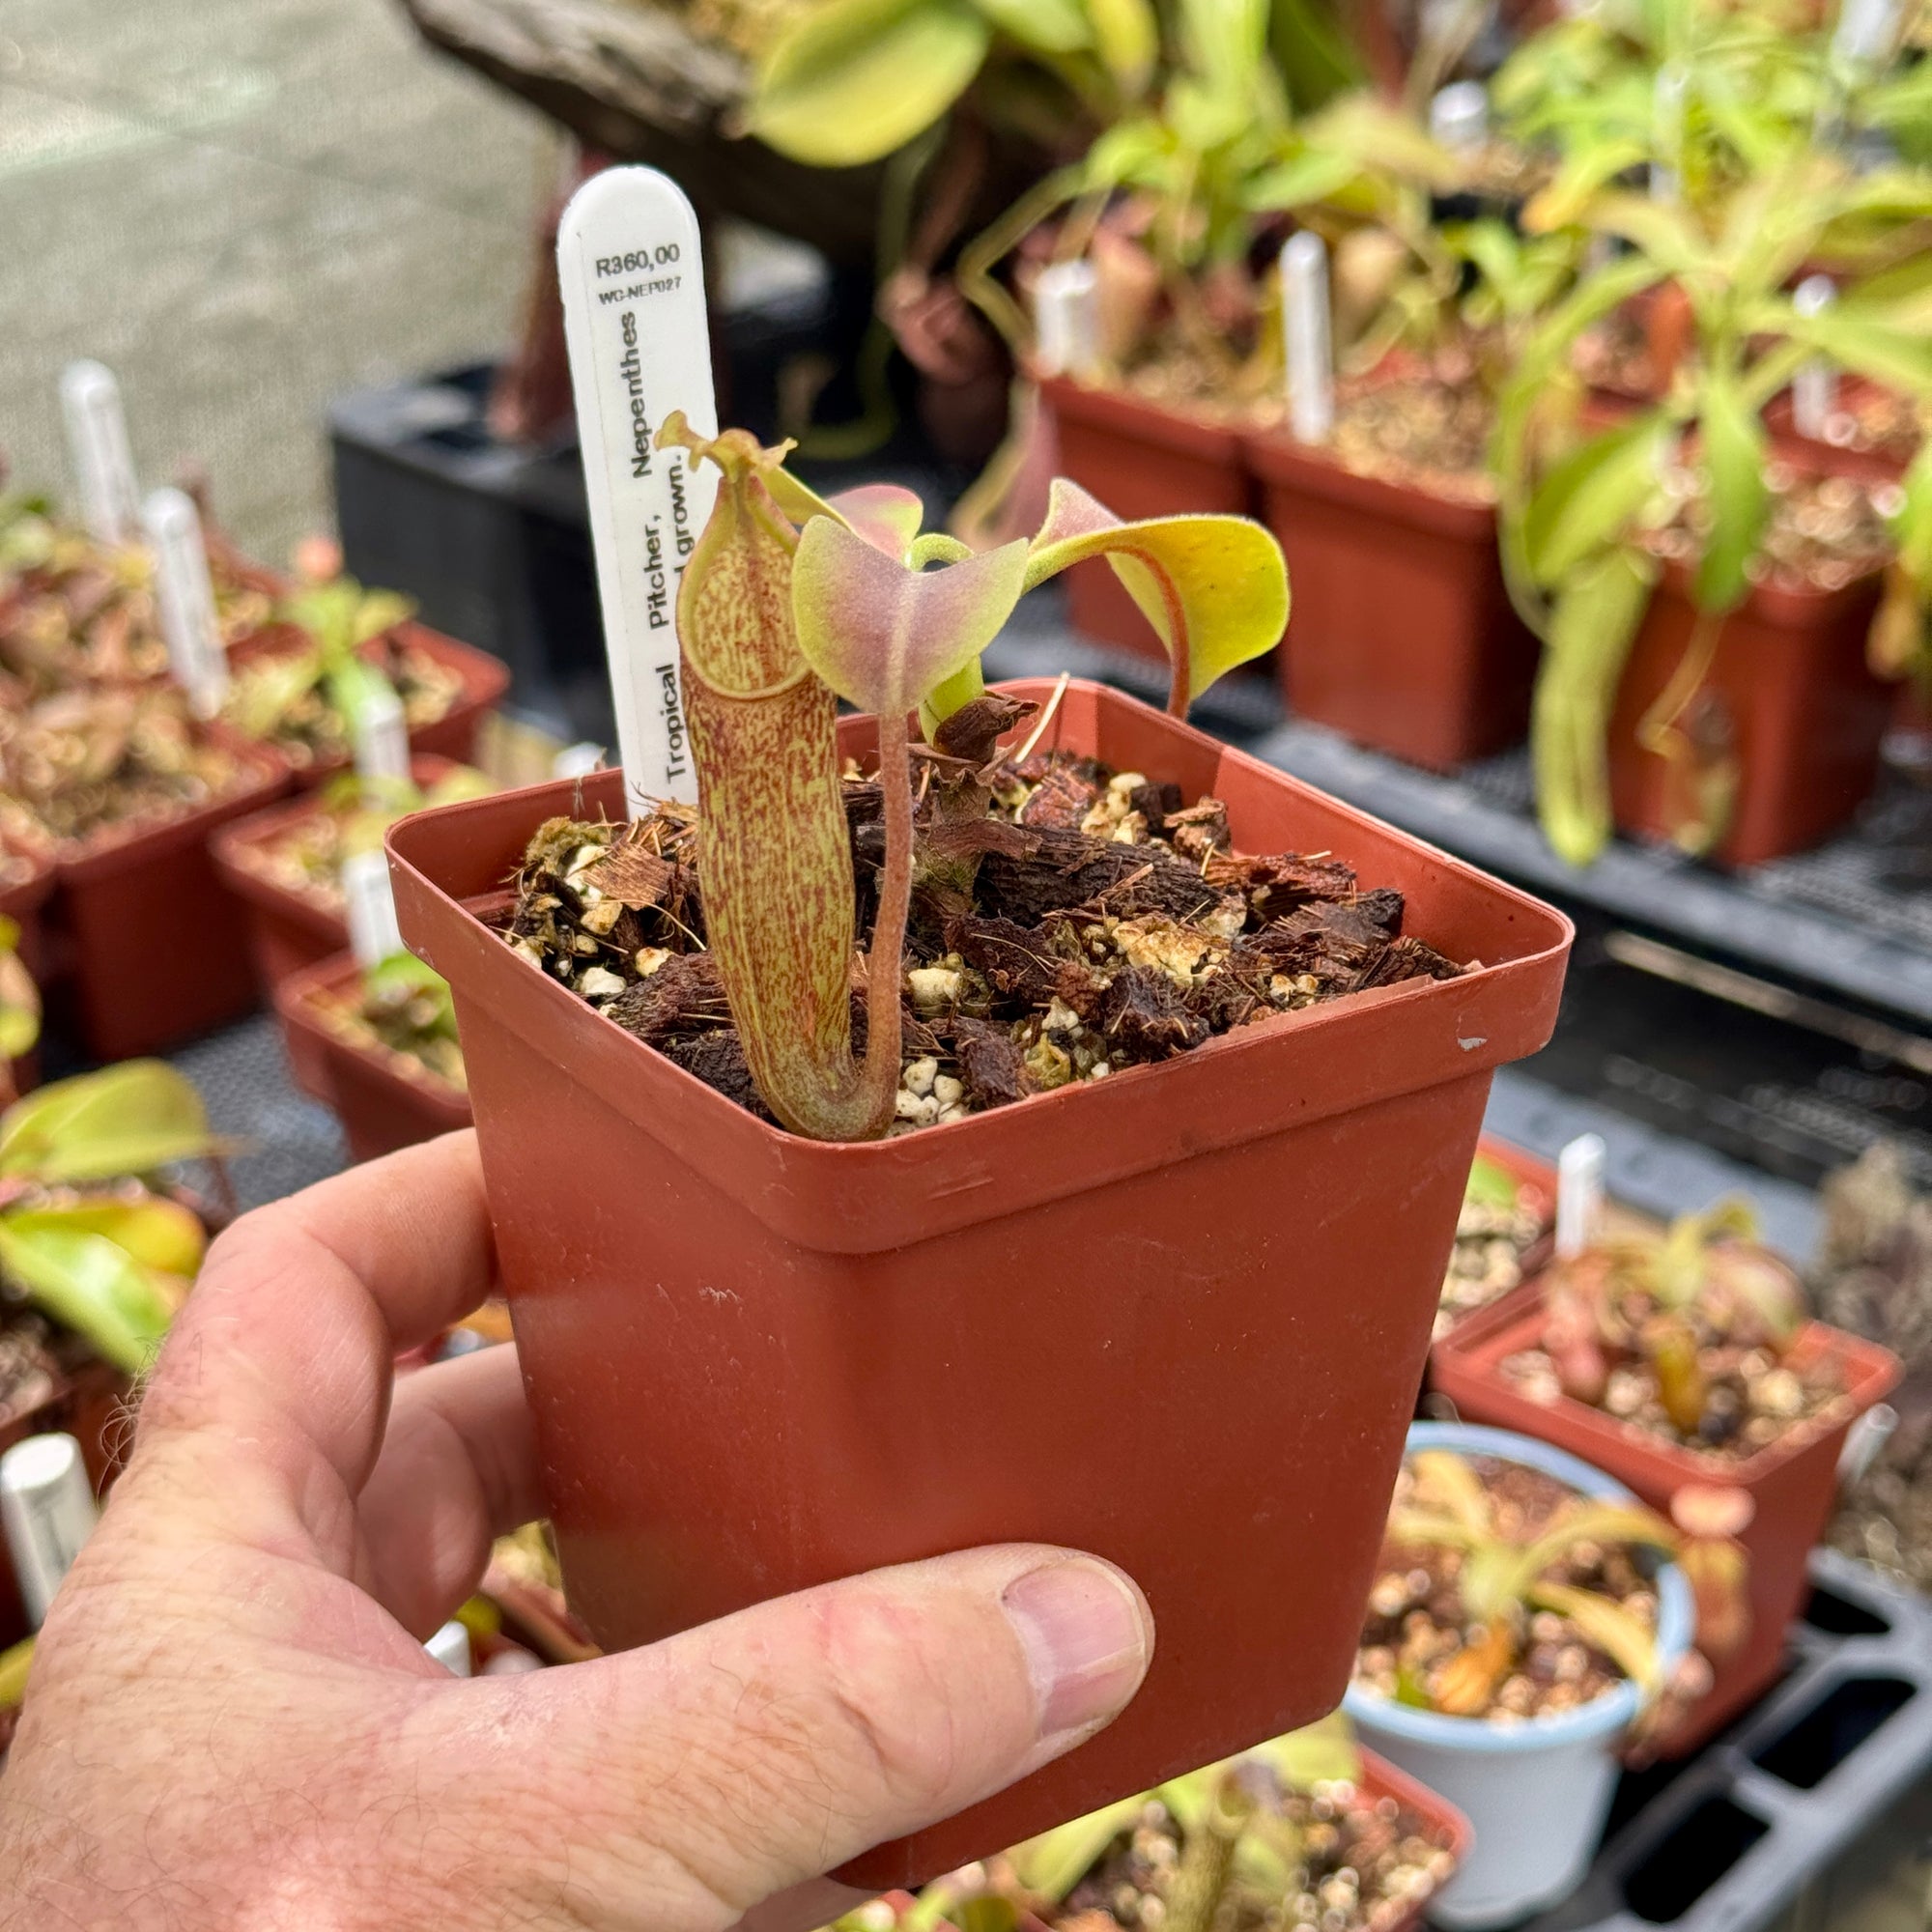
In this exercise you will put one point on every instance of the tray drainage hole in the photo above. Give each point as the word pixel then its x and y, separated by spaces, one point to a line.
pixel 1833 1729
pixel 1840 1616
pixel 1682 1868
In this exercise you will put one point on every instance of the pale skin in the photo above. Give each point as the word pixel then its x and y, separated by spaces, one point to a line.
pixel 231 1722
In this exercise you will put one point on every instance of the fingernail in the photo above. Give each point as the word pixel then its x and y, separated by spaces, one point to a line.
pixel 1085 1637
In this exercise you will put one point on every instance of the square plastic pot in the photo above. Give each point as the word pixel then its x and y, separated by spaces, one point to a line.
pixel 453 736
pixel 384 1099
pixel 1141 461
pixel 1793 1482
pixel 1176 1318
pixel 1401 634
pixel 156 946
pixel 1791 685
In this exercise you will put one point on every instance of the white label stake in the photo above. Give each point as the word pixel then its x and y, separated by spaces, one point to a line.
pixel 1311 363
pixel 381 739
pixel 185 592
pixel 1459 117
pixel 627 257
pixel 1814 389
pixel 46 1504
pixel 1579 1195
pixel 1066 320
pixel 373 936
pixel 1672 88
pixel 96 440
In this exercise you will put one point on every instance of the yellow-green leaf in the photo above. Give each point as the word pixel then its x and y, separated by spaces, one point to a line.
pixel 129 1118
pixel 1589 501
pixel 158 1232
pixel 1126 34
pixel 1214 587
pixel 1050 1865
pixel 1610 1626
pixel 1733 450
pixel 88 1284
pixel 1046 26
pixel 853 80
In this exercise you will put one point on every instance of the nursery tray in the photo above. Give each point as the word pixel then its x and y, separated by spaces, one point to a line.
pixel 1732 1840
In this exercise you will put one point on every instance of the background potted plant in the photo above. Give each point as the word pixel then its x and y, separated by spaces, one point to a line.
pixel 1514 1641
pixel 1066 1185
pixel 1704 611
pixel 1682 1362
pixel 1502 1232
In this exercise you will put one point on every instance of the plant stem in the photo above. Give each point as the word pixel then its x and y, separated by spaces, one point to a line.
pixel 1208 1859
pixel 885 956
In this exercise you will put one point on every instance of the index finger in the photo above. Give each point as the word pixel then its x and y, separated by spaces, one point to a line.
pixel 303 1306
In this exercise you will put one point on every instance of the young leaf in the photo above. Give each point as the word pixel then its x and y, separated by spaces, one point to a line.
pixel 20 1000
pixel 1127 36
pixel 1589 500
pixel 1214 587
pixel 1050 1865
pixel 158 1232
pixel 125 1120
pixel 1611 1627
pixel 882 636
pixel 1046 26
pixel 1896 357
pixel 1323 1752
pixel 851 80
pixel 88 1284
pixel 1733 450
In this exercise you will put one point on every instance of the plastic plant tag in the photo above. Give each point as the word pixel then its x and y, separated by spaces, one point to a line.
pixel 1866 30
pixel 46 1504
pixel 578 762
pixel 1066 320
pixel 1311 367
pixel 1815 388
pixel 1666 177
pixel 103 466
pixel 1458 116
pixel 381 739
pixel 634 318
pixel 373 933
pixel 1580 1194
pixel 197 654
pixel 1863 1440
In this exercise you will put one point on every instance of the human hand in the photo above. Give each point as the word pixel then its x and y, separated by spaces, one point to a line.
pixel 231 1722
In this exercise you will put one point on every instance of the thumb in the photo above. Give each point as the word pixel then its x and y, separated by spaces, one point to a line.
pixel 690 1781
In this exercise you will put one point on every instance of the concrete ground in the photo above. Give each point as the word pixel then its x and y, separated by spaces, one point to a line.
pixel 245 206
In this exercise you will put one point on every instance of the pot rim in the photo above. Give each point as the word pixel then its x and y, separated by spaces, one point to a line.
pixel 1605 1715
pixel 300 1001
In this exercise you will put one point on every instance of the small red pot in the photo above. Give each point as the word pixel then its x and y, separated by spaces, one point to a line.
pixel 453 736
pixel 1805 711
pixel 30 885
pixel 1793 1482
pixel 1883 465
pixel 152 946
pixel 384 1099
pixel 1256 1232
pixel 1402 634
pixel 1141 461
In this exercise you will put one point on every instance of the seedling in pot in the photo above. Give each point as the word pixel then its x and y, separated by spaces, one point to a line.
pixel 88 1233
pixel 1290 1835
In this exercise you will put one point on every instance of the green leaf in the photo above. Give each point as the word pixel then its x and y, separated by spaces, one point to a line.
pixel 1046 27
pixel 1312 175
pixel 1607 1625
pixel 852 80
pixel 1590 499
pixel 158 1232
pixel 1127 36
pixel 1591 628
pixel 1732 447
pixel 882 636
pixel 1565 198
pixel 1214 587
pixel 1323 1752
pixel 1899 358
pixel 1911 525
pixel 1490 1186
pixel 125 1120
pixel 88 1284
pixel 1052 1864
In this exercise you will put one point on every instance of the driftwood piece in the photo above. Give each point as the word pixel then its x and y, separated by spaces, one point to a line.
pixel 634 83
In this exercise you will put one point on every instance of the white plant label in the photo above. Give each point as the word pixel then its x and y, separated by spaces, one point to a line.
pixel 1311 363
pixel 1866 30
pixel 627 257
pixel 1814 389
pixel 96 440
pixel 1459 117
pixel 186 593
pixel 578 762
pixel 1066 320
pixel 1666 178
pixel 381 738
pixel 46 1504
pixel 1580 1194
pixel 373 936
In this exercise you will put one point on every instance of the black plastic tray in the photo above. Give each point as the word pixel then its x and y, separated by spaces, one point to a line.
pixel 1730 1841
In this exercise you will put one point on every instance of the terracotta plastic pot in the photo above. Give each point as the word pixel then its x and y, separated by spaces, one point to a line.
pixel 1536 1792
pixel 288 928
pixel 1402 634
pixel 1790 683
pixel 384 1099
pixel 1141 461
pixel 1178 1317
pixel 453 736
pixel 1886 464
pixel 154 946
pixel 1793 1482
